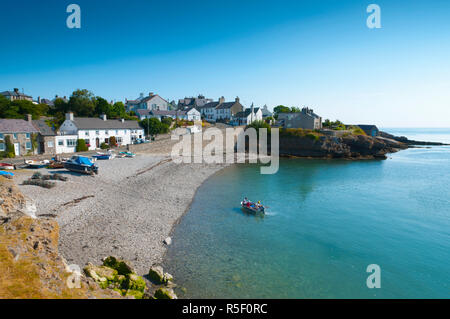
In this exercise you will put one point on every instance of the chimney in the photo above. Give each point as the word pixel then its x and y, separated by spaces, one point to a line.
pixel 28 118
pixel 151 94
pixel 16 90
pixel 56 96
pixel 103 117
pixel 122 120
pixel 221 100
pixel 69 116
pixel 237 99
pixel 65 97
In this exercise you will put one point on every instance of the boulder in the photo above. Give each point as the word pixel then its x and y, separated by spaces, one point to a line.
pixel 135 293
pixel 168 241
pixel 167 277
pixel 123 267
pixel 103 275
pixel 136 282
pixel 156 274
pixel 165 293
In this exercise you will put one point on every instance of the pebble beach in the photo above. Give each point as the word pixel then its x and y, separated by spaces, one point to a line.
pixel 127 210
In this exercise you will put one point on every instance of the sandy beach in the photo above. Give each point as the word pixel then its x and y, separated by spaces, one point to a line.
pixel 127 210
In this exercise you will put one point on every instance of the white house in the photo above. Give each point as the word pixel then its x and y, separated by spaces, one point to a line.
pixel 188 115
pixel 150 102
pixel 221 110
pixel 248 116
pixel 96 131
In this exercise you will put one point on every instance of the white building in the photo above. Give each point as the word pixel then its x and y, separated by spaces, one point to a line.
pixel 248 116
pixel 221 110
pixel 150 102
pixel 188 115
pixel 95 131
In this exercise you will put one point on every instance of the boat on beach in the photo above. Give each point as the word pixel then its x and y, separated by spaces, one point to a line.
pixel 37 164
pixel 6 166
pixel 104 156
pixel 253 208
pixel 81 164
pixel 126 154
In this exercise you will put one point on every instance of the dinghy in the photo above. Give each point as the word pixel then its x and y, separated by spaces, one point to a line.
pixel 6 166
pixel 253 208
pixel 37 164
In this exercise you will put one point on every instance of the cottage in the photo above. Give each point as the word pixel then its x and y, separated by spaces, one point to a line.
pixel 192 102
pixel 95 131
pixel 370 130
pixel 221 110
pixel 248 116
pixel 306 119
pixel 20 133
pixel 150 102
pixel 45 138
pixel 16 95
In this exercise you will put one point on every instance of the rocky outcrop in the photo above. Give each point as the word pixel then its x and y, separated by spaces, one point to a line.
pixel 350 146
pixel 117 274
pixel 165 293
pixel 405 140
pixel 29 261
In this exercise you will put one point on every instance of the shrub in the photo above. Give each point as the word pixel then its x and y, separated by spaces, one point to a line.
pixel 104 146
pixel 112 141
pixel 81 146
pixel 10 153
pixel 167 120
pixel 312 136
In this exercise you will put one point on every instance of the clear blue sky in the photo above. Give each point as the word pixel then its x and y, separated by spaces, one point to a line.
pixel 316 53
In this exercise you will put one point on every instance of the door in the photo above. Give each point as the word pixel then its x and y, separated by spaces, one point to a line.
pixel 97 142
pixel 17 149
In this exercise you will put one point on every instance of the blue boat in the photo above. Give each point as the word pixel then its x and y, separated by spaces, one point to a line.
pixel 104 156
pixel 6 173
pixel 81 164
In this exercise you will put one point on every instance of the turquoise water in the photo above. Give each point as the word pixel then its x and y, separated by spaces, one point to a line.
pixel 327 221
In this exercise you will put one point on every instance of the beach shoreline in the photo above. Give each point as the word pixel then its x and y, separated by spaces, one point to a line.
pixel 127 210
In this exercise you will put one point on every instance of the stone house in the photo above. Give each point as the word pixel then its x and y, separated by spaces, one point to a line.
pixel 45 138
pixel 150 102
pixel 16 95
pixel 21 133
pixel 306 119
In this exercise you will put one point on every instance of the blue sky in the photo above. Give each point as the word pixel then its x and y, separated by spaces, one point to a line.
pixel 315 53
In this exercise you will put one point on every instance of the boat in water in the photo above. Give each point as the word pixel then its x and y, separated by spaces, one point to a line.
pixel 104 156
pixel 6 166
pixel 37 164
pixel 253 208
pixel 81 164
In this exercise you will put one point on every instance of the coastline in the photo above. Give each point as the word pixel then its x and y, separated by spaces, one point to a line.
pixel 95 222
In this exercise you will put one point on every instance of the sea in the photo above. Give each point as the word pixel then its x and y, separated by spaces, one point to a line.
pixel 328 223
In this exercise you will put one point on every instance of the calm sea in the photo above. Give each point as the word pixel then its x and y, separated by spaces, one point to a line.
pixel 327 221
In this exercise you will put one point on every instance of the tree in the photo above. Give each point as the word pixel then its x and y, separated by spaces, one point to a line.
pixel 82 103
pixel 118 110
pixel 81 146
pixel 102 107
pixel 281 109
pixel 112 141
pixel 153 126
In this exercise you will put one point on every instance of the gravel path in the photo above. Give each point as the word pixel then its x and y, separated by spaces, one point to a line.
pixel 127 210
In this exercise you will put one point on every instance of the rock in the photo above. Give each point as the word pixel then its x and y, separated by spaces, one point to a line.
pixel 168 241
pixel 165 293
pixel 156 274
pixel 122 266
pixel 167 277
pixel 136 282
pixel 135 293
pixel 103 275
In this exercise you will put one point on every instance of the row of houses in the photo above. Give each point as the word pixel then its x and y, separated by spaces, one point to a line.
pixel 94 131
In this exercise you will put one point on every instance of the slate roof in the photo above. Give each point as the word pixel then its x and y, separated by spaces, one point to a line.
pixel 13 93
pixel 209 105
pixel 92 123
pixel 43 128
pixel 246 112
pixel 16 126
pixel 226 105
pixel 160 112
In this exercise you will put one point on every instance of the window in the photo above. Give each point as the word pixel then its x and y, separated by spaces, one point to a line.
pixel 106 133
pixel 28 135
pixel 15 136
pixel 97 132
pixel 2 137
pixel 61 143
pixel 71 142
pixel 50 144
pixel 2 147
pixel 117 132
pixel 119 140
pixel 86 133
pixel 28 145
pixel 88 142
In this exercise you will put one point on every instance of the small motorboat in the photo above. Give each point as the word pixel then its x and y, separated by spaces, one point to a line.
pixel 126 154
pixel 56 164
pixel 81 164
pixel 37 164
pixel 250 207
pixel 104 156
pixel 6 166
